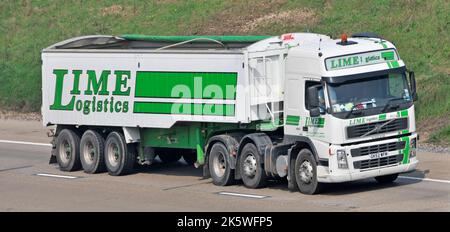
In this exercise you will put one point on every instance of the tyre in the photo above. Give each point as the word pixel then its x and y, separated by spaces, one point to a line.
pixel 68 151
pixel 168 156
pixel 190 157
pixel 386 179
pixel 219 168
pixel 306 173
pixel 119 156
pixel 251 168
pixel 92 146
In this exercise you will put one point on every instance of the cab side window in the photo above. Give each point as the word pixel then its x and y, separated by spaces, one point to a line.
pixel 321 95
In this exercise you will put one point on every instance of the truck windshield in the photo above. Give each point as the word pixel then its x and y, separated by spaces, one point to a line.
pixel 380 93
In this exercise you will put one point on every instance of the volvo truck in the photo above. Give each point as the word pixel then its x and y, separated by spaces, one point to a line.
pixel 300 106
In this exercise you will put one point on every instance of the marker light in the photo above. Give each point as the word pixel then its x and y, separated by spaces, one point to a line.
pixel 344 38
pixel 287 37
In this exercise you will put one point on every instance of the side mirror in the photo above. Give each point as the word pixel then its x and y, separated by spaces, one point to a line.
pixel 314 112
pixel 412 81
pixel 313 101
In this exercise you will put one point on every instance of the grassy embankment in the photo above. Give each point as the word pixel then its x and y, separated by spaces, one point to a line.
pixel 420 29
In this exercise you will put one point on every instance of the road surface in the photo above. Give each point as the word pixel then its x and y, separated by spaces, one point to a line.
pixel 28 183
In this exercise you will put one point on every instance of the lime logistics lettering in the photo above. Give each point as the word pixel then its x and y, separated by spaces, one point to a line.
pixel 95 87
pixel 344 62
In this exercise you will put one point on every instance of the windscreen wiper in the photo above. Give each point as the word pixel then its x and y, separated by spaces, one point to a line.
pixel 388 104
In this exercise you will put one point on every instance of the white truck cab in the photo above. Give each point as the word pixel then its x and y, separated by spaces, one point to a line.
pixel 353 101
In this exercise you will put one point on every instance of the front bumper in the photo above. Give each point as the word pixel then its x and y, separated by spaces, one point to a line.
pixel 356 171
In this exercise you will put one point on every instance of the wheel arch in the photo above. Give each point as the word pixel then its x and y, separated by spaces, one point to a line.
pixel 299 143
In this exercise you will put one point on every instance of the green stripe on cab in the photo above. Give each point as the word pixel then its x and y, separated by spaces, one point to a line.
pixel 292 120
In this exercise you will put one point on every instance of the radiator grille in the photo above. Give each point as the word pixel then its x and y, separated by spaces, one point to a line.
pixel 376 163
pixel 360 130
pixel 362 151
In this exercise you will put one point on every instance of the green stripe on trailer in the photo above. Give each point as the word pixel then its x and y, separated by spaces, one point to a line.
pixel 188 85
pixel 175 39
pixel 184 108
pixel 292 120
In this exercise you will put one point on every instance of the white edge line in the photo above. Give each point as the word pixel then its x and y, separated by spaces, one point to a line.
pixel 56 176
pixel 242 195
pixel 425 179
pixel 26 143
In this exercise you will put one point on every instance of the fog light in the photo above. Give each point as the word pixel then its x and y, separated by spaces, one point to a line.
pixel 413 147
pixel 342 159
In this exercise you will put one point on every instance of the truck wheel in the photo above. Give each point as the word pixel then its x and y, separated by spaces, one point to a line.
pixel 67 151
pixel 306 173
pixel 190 157
pixel 168 156
pixel 92 148
pixel 119 157
pixel 219 168
pixel 386 179
pixel 251 169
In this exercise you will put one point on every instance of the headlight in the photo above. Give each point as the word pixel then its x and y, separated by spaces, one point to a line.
pixel 341 159
pixel 413 147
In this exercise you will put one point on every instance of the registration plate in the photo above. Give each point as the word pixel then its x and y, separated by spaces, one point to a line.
pixel 378 155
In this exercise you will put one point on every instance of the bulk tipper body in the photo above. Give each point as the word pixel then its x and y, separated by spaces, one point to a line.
pixel 299 106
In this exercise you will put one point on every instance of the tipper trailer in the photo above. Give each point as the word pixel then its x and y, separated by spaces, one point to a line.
pixel 300 106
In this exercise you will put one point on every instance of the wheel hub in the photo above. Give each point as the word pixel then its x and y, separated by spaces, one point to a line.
pixel 66 151
pixel 113 154
pixel 89 152
pixel 250 166
pixel 306 172
pixel 219 165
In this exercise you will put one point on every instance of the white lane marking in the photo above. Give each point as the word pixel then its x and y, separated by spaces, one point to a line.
pixel 26 143
pixel 425 179
pixel 56 176
pixel 243 195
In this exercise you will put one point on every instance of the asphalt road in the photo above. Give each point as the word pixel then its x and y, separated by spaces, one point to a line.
pixel 27 184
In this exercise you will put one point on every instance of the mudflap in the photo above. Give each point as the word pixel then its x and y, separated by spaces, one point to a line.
pixel 53 152
pixel 53 155
pixel 292 183
pixel 52 159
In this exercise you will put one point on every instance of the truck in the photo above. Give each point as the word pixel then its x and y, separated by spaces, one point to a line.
pixel 300 106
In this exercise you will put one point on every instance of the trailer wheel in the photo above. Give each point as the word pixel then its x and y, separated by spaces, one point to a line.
pixel 219 168
pixel 92 148
pixel 251 168
pixel 306 173
pixel 168 155
pixel 67 151
pixel 386 179
pixel 190 157
pixel 119 156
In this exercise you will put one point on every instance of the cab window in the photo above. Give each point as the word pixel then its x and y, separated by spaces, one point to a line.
pixel 320 93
